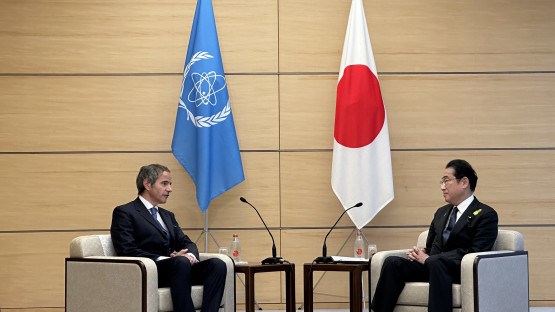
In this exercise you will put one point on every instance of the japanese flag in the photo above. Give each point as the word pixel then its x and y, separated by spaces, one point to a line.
pixel 361 168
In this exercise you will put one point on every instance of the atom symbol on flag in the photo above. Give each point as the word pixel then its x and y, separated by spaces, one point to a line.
pixel 203 92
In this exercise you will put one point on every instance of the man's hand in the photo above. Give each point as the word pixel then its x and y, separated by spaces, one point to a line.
pixel 417 254
pixel 183 253
pixel 179 253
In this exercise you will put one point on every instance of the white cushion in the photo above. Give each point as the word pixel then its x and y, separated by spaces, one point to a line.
pixel 416 293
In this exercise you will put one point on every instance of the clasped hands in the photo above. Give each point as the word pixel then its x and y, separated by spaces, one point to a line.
pixel 183 253
pixel 417 254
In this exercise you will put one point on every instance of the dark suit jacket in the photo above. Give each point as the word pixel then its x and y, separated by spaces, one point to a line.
pixel 135 233
pixel 475 231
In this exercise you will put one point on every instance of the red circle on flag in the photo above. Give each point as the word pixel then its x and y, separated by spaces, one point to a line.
pixel 359 111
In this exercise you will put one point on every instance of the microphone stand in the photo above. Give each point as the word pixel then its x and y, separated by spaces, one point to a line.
pixel 273 259
pixel 324 258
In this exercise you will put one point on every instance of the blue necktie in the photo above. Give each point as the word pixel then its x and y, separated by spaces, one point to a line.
pixel 450 225
pixel 154 212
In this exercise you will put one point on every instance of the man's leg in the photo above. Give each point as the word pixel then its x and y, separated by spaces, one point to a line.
pixel 441 271
pixel 395 272
pixel 211 273
pixel 176 273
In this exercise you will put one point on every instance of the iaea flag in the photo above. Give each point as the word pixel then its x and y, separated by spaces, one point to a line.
pixel 204 138
pixel 361 167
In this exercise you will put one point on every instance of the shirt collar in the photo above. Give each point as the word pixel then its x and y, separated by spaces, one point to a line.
pixel 465 203
pixel 146 203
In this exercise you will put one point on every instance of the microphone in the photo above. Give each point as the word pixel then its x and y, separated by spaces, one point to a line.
pixel 324 258
pixel 273 259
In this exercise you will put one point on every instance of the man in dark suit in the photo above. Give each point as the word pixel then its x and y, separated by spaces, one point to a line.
pixel 142 229
pixel 462 226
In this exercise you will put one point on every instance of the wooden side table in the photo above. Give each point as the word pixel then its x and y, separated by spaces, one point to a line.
pixel 355 281
pixel 250 269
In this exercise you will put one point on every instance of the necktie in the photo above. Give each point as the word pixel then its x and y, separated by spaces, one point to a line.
pixel 154 212
pixel 450 225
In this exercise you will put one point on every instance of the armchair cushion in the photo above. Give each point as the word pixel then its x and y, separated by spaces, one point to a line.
pixel 416 293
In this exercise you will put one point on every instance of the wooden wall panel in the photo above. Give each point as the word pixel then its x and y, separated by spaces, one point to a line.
pixel 130 36
pixel 470 111
pixel 72 192
pixel 513 182
pixel 255 104
pixel 66 113
pixel 306 188
pixel 88 113
pixel 538 240
pixel 307 111
pixel 32 268
pixel 430 111
pixel 412 36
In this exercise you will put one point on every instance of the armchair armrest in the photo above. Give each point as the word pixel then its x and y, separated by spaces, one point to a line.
pixel 228 299
pixel 111 284
pixel 376 263
pixel 495 281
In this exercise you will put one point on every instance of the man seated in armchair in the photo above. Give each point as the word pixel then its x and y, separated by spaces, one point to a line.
pixel 143 229
pixel 463 226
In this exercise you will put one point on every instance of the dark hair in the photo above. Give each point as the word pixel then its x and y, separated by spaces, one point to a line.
pixel 150 172
pixel 463 169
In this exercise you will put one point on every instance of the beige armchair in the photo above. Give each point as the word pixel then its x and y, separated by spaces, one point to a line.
pixel 98 280
pixel 495 280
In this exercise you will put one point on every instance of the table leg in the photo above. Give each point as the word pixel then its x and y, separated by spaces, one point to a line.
pixel 369 289
pixel 290 289
pixel 249 292
pixel 308 294
pixel 355 278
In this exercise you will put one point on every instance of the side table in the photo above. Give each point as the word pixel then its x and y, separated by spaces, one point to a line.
pixel 355 282
pixel 250 269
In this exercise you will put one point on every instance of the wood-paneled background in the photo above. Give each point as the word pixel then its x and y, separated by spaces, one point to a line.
pixel 89 89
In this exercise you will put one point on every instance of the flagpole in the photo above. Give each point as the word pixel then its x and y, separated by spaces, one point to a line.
pixel 206 231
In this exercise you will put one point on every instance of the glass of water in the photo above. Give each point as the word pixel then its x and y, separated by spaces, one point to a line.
pixel 223 250
pixel 372 249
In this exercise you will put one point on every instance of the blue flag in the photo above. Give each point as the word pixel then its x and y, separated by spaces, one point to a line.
pixel 204 139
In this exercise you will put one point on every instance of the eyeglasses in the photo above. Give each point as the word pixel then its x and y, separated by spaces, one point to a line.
pixel 442 182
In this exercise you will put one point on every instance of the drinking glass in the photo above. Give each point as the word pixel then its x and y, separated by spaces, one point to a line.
pixel 223 250
pixel 372 249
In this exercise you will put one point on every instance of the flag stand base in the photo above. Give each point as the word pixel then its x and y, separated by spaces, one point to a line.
pixel 206 232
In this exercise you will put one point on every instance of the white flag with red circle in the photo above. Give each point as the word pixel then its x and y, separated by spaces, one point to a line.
pixel 361 168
